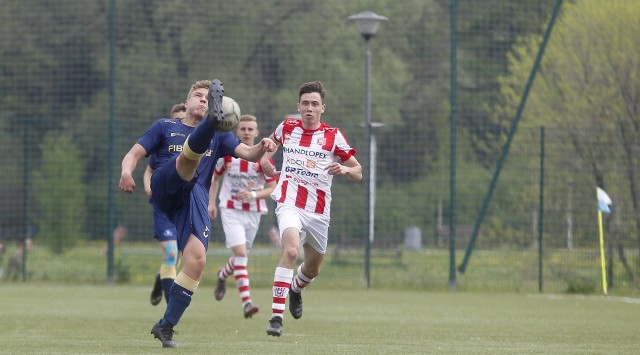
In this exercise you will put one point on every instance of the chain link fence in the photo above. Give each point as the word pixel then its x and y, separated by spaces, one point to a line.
pixel 77 90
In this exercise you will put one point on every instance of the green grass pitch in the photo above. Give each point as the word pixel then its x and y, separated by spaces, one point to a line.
pixel 54 318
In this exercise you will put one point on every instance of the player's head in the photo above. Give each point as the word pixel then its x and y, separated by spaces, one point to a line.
pixel 200 84
pixel 311 103
pixel 178 111
pixel 247 129
pixel 197 104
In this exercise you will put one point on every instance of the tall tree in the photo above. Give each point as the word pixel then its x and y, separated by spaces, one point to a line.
pixel 60 193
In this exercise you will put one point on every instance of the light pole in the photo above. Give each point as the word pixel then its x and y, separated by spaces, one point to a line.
pixel 368 23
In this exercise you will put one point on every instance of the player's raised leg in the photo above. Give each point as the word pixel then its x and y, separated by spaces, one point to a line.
pixel 200 139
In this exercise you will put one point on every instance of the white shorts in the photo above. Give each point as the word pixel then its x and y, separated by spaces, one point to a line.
pixel 240 227
pixel 313 227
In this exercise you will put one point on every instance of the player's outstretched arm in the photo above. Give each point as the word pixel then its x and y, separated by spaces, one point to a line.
pixel 129 163
pixel 256 152
pixel 266 163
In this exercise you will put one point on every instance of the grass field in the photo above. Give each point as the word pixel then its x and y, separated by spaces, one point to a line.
pixel 69 319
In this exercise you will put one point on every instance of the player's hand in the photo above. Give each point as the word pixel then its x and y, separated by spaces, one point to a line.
pixel 268 145
pixel 244 195
pixel 127 184
pixel 268 169
pixel 336 169
pixel 213 210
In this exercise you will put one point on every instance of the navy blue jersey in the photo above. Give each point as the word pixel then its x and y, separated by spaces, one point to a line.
pixel 186 202
pixel 164 139
pixel 222 144
pixel 153 162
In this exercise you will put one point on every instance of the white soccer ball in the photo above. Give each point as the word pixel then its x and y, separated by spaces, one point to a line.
pixel 231 114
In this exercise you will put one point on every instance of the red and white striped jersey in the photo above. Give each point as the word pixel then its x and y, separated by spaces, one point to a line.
pixel 240 174
pixel 304 182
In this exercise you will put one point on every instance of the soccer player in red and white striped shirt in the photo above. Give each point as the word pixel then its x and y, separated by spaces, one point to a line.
pixel 312 153
pixel 243 192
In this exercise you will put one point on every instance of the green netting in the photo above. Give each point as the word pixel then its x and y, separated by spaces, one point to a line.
pixel 62 142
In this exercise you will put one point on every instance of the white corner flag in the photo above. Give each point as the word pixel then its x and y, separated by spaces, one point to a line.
pixel 603 200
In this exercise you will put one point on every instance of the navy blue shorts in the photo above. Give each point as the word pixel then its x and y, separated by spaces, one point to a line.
pixel 163 229
pixel 184 202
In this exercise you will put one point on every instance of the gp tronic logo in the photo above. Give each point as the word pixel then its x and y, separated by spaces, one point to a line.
pixel 280 291
pixel 301 172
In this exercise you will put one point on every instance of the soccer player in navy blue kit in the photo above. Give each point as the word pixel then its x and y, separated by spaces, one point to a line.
pixel 181 183
pixel 163 230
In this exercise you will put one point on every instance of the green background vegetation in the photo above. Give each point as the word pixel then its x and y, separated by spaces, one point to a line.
pixel 55 123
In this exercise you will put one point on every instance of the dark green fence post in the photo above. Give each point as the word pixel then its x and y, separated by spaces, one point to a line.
pixel 112 105
pixel 453 138
pixel 541 209
pixel 25 197
pixel 512 132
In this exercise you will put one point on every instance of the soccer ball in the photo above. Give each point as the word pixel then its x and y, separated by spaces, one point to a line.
pixel 231 114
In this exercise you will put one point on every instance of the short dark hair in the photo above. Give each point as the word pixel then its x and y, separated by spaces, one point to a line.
pixel 313 86
pixel 178 108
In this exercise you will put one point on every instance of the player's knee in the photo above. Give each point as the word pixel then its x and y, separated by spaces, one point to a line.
pixel 171 253
pixel 197 261
pixel 290 253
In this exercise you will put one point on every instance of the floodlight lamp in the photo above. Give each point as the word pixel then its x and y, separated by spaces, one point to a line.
pixel 367 23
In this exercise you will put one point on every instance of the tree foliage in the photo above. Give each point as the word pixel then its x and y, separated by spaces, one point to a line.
pixel 60 193
pixel 588 86
pixel 58 77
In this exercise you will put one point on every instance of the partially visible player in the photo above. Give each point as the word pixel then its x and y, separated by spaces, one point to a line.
pixel 179 111
pixel 312 153
pixel 163 230
pixel 243 192
pixel 181 182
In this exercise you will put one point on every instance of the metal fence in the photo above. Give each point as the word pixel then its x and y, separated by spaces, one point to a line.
pixel 81 80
